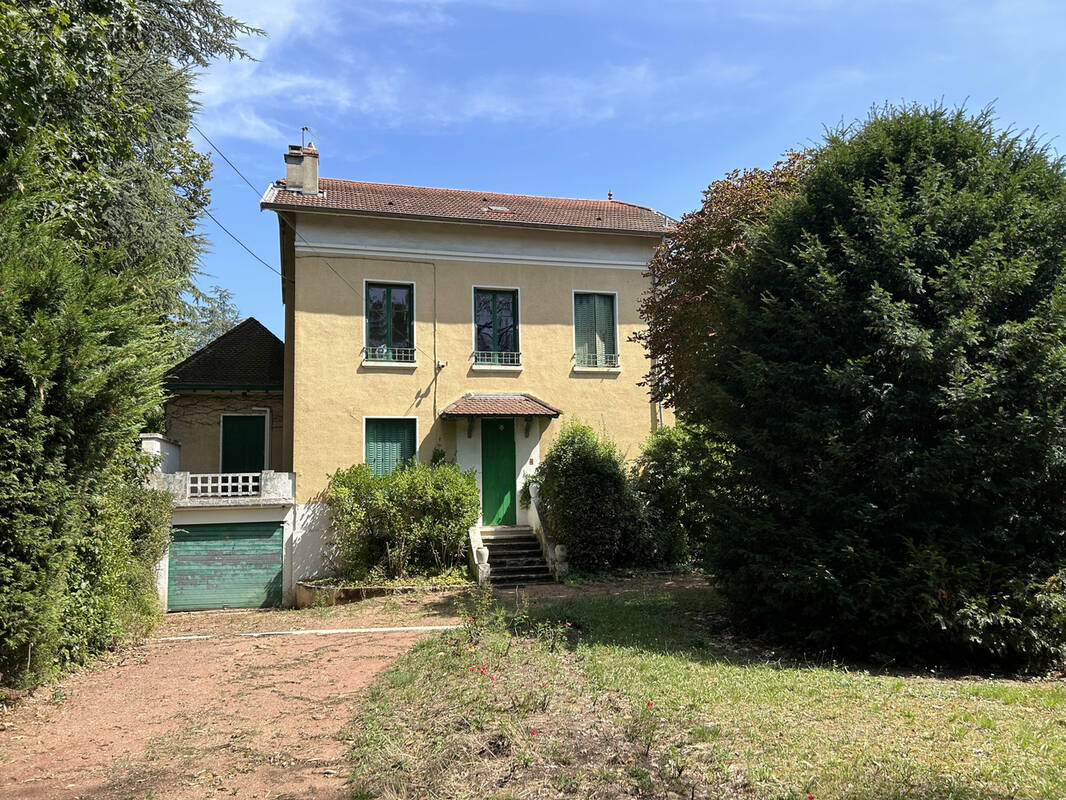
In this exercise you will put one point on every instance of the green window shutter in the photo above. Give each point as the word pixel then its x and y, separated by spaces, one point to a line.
pixel 390 443
pixel 373 447
pixel 595 335
pixel 605 327
pixel 585 329
pixel 243 440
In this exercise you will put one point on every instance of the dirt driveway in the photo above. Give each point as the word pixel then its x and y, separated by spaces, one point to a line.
pixel 231 715
pixel 227 716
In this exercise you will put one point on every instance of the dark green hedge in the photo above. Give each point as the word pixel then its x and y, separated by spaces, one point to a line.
pixel 889 363
pixel 79 370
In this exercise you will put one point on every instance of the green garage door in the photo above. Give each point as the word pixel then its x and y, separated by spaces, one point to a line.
pixel 225 566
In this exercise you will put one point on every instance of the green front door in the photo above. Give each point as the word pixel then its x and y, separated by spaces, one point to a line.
pixel 243 443
pixel 225 566
pixel 497 471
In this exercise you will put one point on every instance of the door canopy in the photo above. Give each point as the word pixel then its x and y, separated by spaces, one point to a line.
pixel 499 405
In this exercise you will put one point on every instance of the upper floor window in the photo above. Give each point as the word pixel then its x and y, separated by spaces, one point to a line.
pixel 595 330
pixel 390 322
pixel 496 327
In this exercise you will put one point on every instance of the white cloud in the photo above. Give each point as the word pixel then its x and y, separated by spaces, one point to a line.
pixel 315 67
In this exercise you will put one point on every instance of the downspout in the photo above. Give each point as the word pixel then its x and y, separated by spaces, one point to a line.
pixel 436 363
pixel 654 284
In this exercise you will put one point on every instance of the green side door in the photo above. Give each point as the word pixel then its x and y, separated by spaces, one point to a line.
pixel 225 566
pixel 498 477
pixel 243 443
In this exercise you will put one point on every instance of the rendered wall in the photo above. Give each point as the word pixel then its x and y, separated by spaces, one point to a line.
pixel 333 391
pixel 193 419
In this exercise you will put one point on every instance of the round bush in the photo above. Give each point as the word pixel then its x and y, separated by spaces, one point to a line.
pixel 586 502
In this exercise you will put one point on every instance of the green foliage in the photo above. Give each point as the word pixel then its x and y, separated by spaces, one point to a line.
pixel 207 317
pixel 100 195
pixel 411 522
pixel 587 503
pixel 683 475
pixel 100 92
pixel 889 364
pixel 682 307
pixel 111 594
pixel 78 371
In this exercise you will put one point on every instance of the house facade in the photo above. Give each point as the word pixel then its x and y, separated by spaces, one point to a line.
pixel 469 324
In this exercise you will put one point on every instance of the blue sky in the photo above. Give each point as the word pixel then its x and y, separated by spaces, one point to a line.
pixel 651 100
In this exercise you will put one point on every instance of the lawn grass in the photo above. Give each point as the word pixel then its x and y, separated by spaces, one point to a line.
pixel 565 711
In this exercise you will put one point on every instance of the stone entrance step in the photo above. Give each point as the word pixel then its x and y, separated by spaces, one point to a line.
pixel 515 557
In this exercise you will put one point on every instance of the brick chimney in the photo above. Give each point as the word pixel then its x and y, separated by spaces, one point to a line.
pixel 301 169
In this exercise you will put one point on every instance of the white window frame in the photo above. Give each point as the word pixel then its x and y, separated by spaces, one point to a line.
pixel 573 331
pixel 473 326
pixel 265 414
pixel 402 365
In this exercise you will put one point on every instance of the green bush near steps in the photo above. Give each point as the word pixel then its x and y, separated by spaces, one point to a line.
pixel 410 523
pixel 587 503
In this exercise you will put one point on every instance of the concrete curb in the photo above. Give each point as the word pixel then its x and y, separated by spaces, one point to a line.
pixel 313 632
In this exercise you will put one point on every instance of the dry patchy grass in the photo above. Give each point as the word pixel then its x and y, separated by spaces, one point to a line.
pixel 562 711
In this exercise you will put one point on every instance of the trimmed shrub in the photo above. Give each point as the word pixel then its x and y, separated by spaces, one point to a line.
pixel 413 522
pixel 682 475
pixel 586 502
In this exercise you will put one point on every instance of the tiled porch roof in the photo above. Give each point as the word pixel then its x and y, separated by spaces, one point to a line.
pixel 499 405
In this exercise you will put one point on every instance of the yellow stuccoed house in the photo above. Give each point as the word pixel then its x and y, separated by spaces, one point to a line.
pixel 421 320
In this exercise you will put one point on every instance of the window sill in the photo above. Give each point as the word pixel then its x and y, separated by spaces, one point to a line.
pixel 400 365
pixel 597 369
pixel 496 367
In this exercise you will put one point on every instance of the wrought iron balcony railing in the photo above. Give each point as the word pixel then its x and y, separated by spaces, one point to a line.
pixel 499 358
pixel 405 355
pixel 596 359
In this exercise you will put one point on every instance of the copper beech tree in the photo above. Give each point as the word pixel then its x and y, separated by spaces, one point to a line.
pixel 687 271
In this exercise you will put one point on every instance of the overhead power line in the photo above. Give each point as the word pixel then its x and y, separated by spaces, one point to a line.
pixel 247 249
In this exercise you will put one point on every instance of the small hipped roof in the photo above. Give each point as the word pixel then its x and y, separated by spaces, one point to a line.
pixel 499 405
pixel 247 356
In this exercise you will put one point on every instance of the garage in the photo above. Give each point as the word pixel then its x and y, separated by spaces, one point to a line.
pixel 236 565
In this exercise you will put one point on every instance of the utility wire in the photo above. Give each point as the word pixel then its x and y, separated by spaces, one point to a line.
pixel 104 101
pixel 292 227
pixel 232 166
pixel 247 249
pixel 218 150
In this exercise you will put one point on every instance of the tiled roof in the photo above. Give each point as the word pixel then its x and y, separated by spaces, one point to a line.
pixel 247 355
pixel 385 199
pixel 499 405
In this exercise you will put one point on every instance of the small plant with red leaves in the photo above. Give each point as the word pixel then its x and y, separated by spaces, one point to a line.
pixel 644 726
pixel 478 613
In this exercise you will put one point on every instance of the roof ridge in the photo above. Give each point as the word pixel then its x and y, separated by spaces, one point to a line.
pixel 482 192
pixel 249 326
pixel 193 356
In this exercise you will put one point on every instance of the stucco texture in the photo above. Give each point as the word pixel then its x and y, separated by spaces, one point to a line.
pixel 333 391
pixel 193 419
